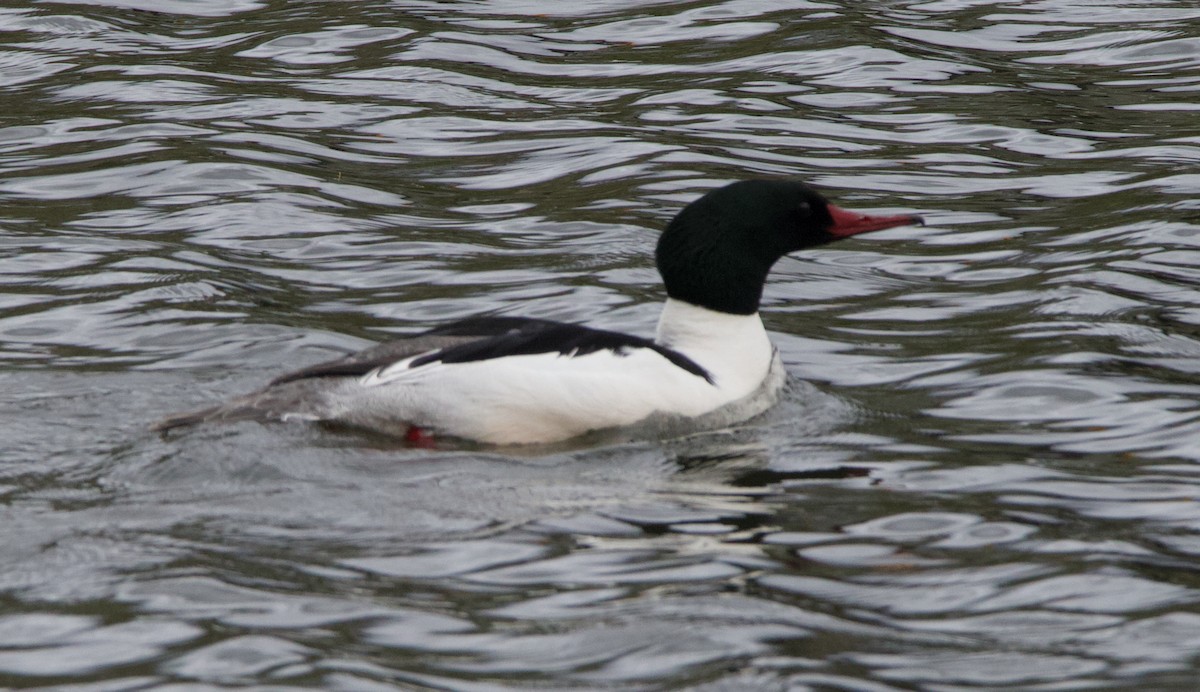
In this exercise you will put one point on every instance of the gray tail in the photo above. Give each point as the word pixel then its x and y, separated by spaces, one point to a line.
pixel 226 413
pixel 183 420
pixel 300 398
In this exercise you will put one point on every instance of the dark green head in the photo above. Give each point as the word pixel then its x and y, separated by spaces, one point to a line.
pixel 718 250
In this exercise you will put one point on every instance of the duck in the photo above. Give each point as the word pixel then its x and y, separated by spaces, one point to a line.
pixel 509 380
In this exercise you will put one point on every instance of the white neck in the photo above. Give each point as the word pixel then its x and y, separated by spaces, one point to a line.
pixel 734 349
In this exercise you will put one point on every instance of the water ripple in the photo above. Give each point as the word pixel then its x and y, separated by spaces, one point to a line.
pixel 982 473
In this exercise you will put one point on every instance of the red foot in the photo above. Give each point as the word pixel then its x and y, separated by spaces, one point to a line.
pixel 419 437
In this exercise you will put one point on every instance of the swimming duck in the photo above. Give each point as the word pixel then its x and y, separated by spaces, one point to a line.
pixel 503 380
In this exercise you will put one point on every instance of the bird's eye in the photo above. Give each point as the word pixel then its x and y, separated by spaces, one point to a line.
pixel 803 210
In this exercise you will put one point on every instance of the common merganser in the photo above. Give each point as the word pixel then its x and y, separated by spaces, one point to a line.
pixel 514 380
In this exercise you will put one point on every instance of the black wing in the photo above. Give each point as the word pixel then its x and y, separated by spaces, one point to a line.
pixel 544 336
pixel 484 338
pixel 445 336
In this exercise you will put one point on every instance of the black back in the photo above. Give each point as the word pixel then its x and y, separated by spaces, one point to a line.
pixel 485 338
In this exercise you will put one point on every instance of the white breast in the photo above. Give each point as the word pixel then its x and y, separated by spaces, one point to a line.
pixel 735 349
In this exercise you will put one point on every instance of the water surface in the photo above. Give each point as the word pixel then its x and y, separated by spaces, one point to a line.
pixel 983 476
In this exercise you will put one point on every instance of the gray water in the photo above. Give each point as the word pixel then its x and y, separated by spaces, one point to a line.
pixel 985 473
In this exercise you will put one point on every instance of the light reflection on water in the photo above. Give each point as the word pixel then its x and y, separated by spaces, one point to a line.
pixel 983 473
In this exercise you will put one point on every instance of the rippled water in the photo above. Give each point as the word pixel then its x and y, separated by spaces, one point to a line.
pixel 984 475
